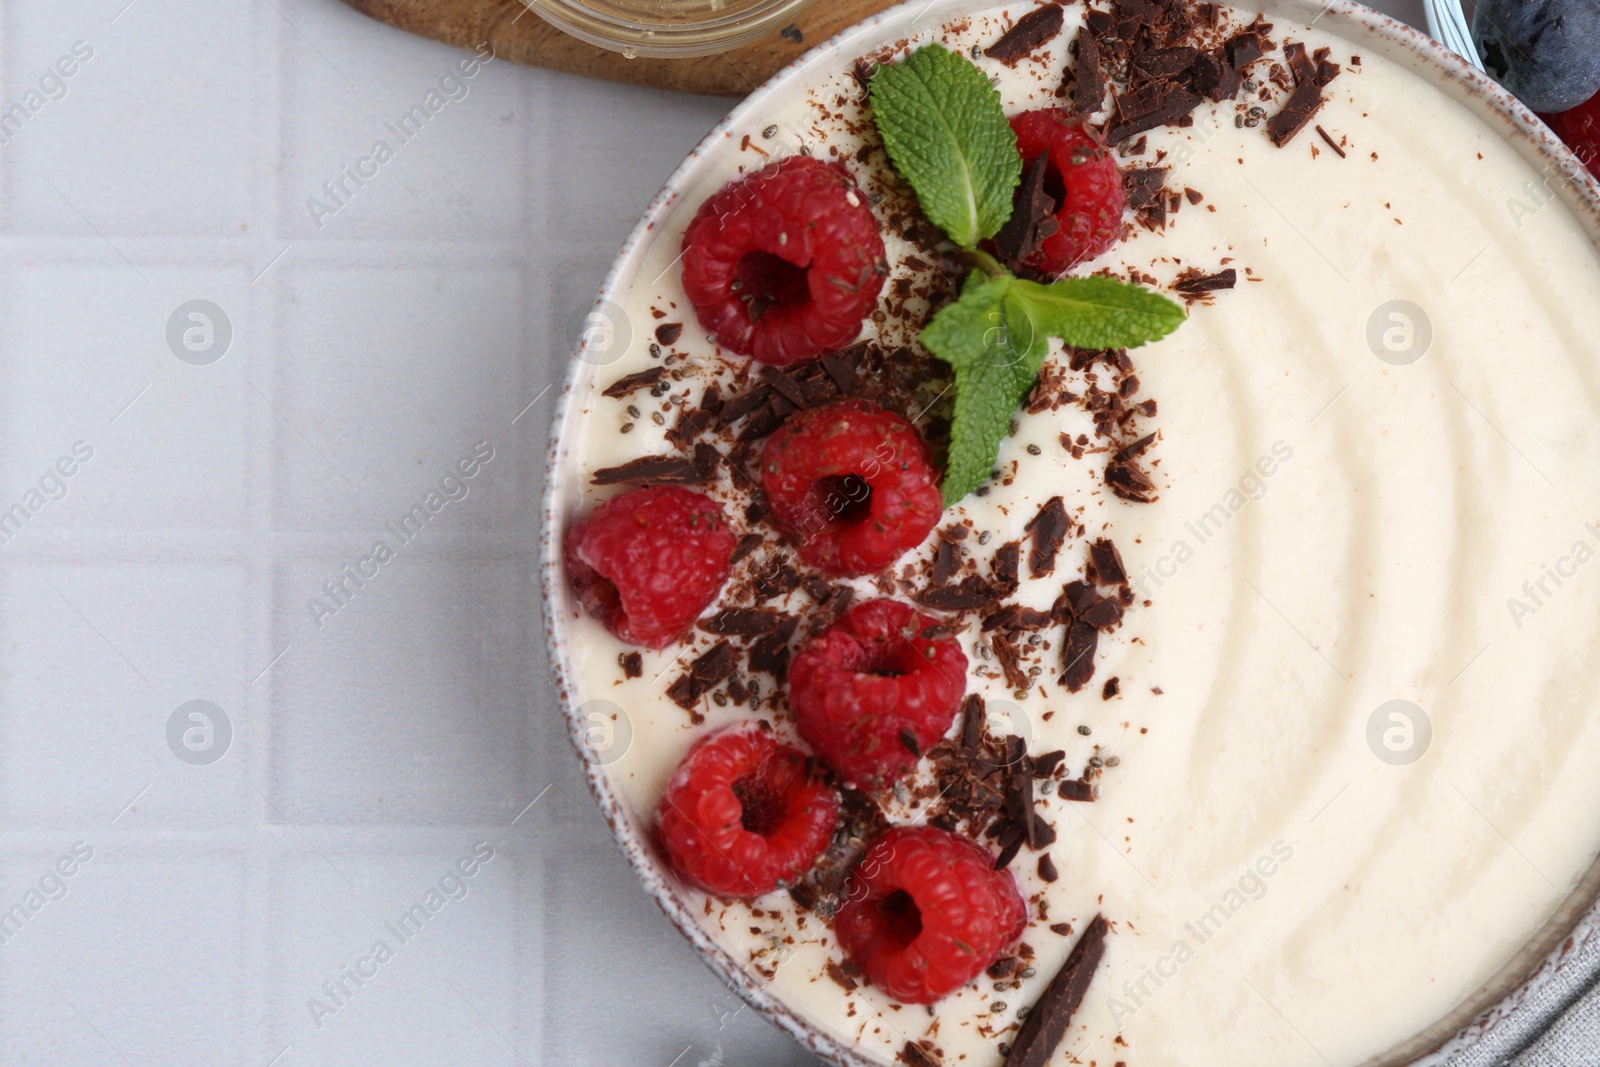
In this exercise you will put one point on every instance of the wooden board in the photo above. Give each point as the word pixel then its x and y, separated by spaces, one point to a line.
pixel 516 33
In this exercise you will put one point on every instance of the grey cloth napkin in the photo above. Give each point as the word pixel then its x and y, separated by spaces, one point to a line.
pixel 1557 1027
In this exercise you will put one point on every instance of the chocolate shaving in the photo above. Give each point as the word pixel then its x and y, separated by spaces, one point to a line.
pixel 1331 143
pixel 1076 789
pixel 1007 560
pixel 1303 103
pixel 1004 967
pixel 747 544
pixel 1128 481
pixel 1207 283
pixel 1090 92
pixel 1030 31
pixel 913 1055
pixel 1048 530
pixel 1103 614
pixel 1214 78
pixel 1244 49
pixel 969 594
pixel 1299 63
pixel 785 386
pixel 632 665
pixel 1033 218
pixel 779 581
pixel 1047 868
pixel 1137 448
pixel 1077 655
pixel 692 422
pixel 741 622
pixel 1019 805
pixel 1010 844
pixel 972 716
pixel 770 654
pixel 1143 185
pixel 817 588
pixel 1144 190
pixel 1046 1025
pixel 744 404
pixel 1112 687
pixel 842 978
pixel 1147 107
pixel 841 373
pixel 1005 651
pixel 946 562
pixel 629 382
pixel 1107 562
pixel 674 470
pixel 714 666
pixel 1161 64
pixel 1044 766
pixel 669 332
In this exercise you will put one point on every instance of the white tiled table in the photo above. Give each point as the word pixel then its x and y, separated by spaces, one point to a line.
pixel 429 312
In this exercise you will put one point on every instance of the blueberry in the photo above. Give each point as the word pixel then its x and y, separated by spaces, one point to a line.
pixel 1547 52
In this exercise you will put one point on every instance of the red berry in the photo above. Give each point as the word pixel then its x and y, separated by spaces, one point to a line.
pixel 1580 128
pixel 855 482
pixel 744 813
pixel 648 562
pixel 925 912
pixel 871 692
pixel 784 264
pixel 1083 180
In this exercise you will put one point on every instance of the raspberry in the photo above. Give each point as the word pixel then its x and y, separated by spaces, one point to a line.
pixel 646 563
pixel 784 264
pixel 925 912
pixel 1580 128
pixel 871 692
pixel 744 813
pixel 1083 180
pixel 855 482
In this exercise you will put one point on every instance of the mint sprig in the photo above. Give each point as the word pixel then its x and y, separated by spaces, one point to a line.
pixel 946 133
pixel 996 337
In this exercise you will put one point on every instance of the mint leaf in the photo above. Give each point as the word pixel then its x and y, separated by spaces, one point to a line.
pixel 1099 312
pixel 996 336
pixel 946 133
pixel 990 340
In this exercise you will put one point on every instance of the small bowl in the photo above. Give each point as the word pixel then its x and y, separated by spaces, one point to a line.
pixel 668 28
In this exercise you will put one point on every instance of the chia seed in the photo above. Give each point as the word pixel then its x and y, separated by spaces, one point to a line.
pixel 1084 730
pixel 770 132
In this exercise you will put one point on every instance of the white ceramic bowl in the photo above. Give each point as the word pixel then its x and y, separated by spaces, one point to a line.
pixel 1542 960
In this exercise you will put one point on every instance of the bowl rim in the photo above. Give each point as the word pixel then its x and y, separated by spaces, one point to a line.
pixel 1535 969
